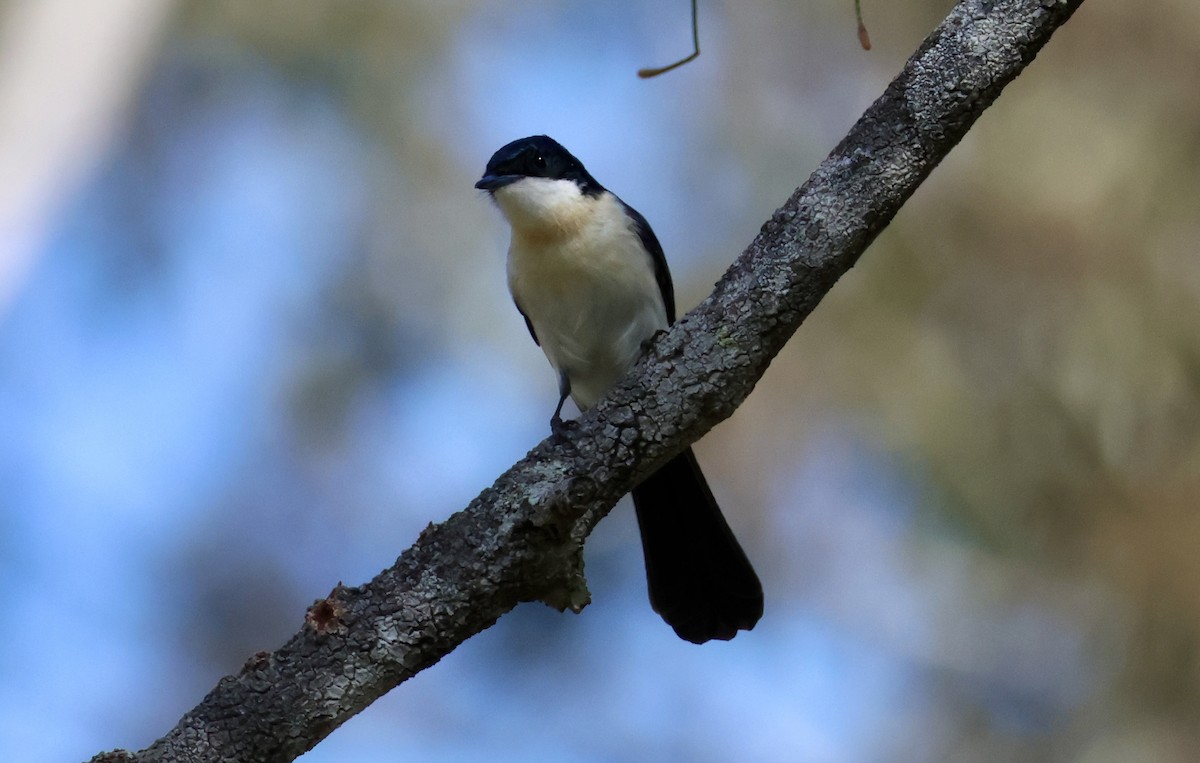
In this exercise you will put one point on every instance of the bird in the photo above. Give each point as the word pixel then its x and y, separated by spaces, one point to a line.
pixel 589 277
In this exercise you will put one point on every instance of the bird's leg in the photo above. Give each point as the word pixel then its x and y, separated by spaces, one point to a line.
pixel 557 425
pixel 649 341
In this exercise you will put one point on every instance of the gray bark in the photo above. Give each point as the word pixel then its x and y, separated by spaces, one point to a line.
pixel 521 539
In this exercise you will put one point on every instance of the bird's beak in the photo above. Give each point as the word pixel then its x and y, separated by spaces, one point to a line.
pixel 492 183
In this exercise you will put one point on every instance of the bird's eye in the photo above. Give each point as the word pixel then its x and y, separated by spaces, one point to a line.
pixel 539 161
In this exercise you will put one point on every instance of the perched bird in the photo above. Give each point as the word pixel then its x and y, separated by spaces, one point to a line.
pixel 591 281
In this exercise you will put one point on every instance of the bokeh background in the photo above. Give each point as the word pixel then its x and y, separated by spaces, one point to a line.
pixel 254 334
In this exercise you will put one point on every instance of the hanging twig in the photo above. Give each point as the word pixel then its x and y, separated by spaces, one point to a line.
pixel 864 39
pixel 648 73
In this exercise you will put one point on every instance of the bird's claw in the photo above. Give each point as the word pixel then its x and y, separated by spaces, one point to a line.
pixel 559 427
pixel 649 341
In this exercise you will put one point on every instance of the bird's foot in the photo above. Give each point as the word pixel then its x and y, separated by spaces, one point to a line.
pixel 649 341
pixel 560 427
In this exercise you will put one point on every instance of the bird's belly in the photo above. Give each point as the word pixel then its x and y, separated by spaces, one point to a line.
pixel 595 344
pixel 591 311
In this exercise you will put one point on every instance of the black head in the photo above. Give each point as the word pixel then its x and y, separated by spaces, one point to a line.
pixel 537 156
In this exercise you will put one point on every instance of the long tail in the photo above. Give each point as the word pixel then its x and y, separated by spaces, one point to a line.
pixel 699 578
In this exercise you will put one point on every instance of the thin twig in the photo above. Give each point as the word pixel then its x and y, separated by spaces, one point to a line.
pixel 648 73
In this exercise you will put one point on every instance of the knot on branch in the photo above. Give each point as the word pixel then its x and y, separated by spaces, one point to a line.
pixel 325 615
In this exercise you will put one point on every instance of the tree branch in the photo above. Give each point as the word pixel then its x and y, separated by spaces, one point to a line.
pixel 521 539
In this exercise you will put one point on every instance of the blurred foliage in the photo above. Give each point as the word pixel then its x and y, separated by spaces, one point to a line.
pixel 1027 331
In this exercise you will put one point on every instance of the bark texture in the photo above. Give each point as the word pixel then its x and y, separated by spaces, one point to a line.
pixel 521 539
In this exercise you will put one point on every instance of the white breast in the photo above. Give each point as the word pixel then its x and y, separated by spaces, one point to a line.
pixel 578 270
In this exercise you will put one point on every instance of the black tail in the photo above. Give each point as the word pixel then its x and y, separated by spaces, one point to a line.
pixel 699 578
